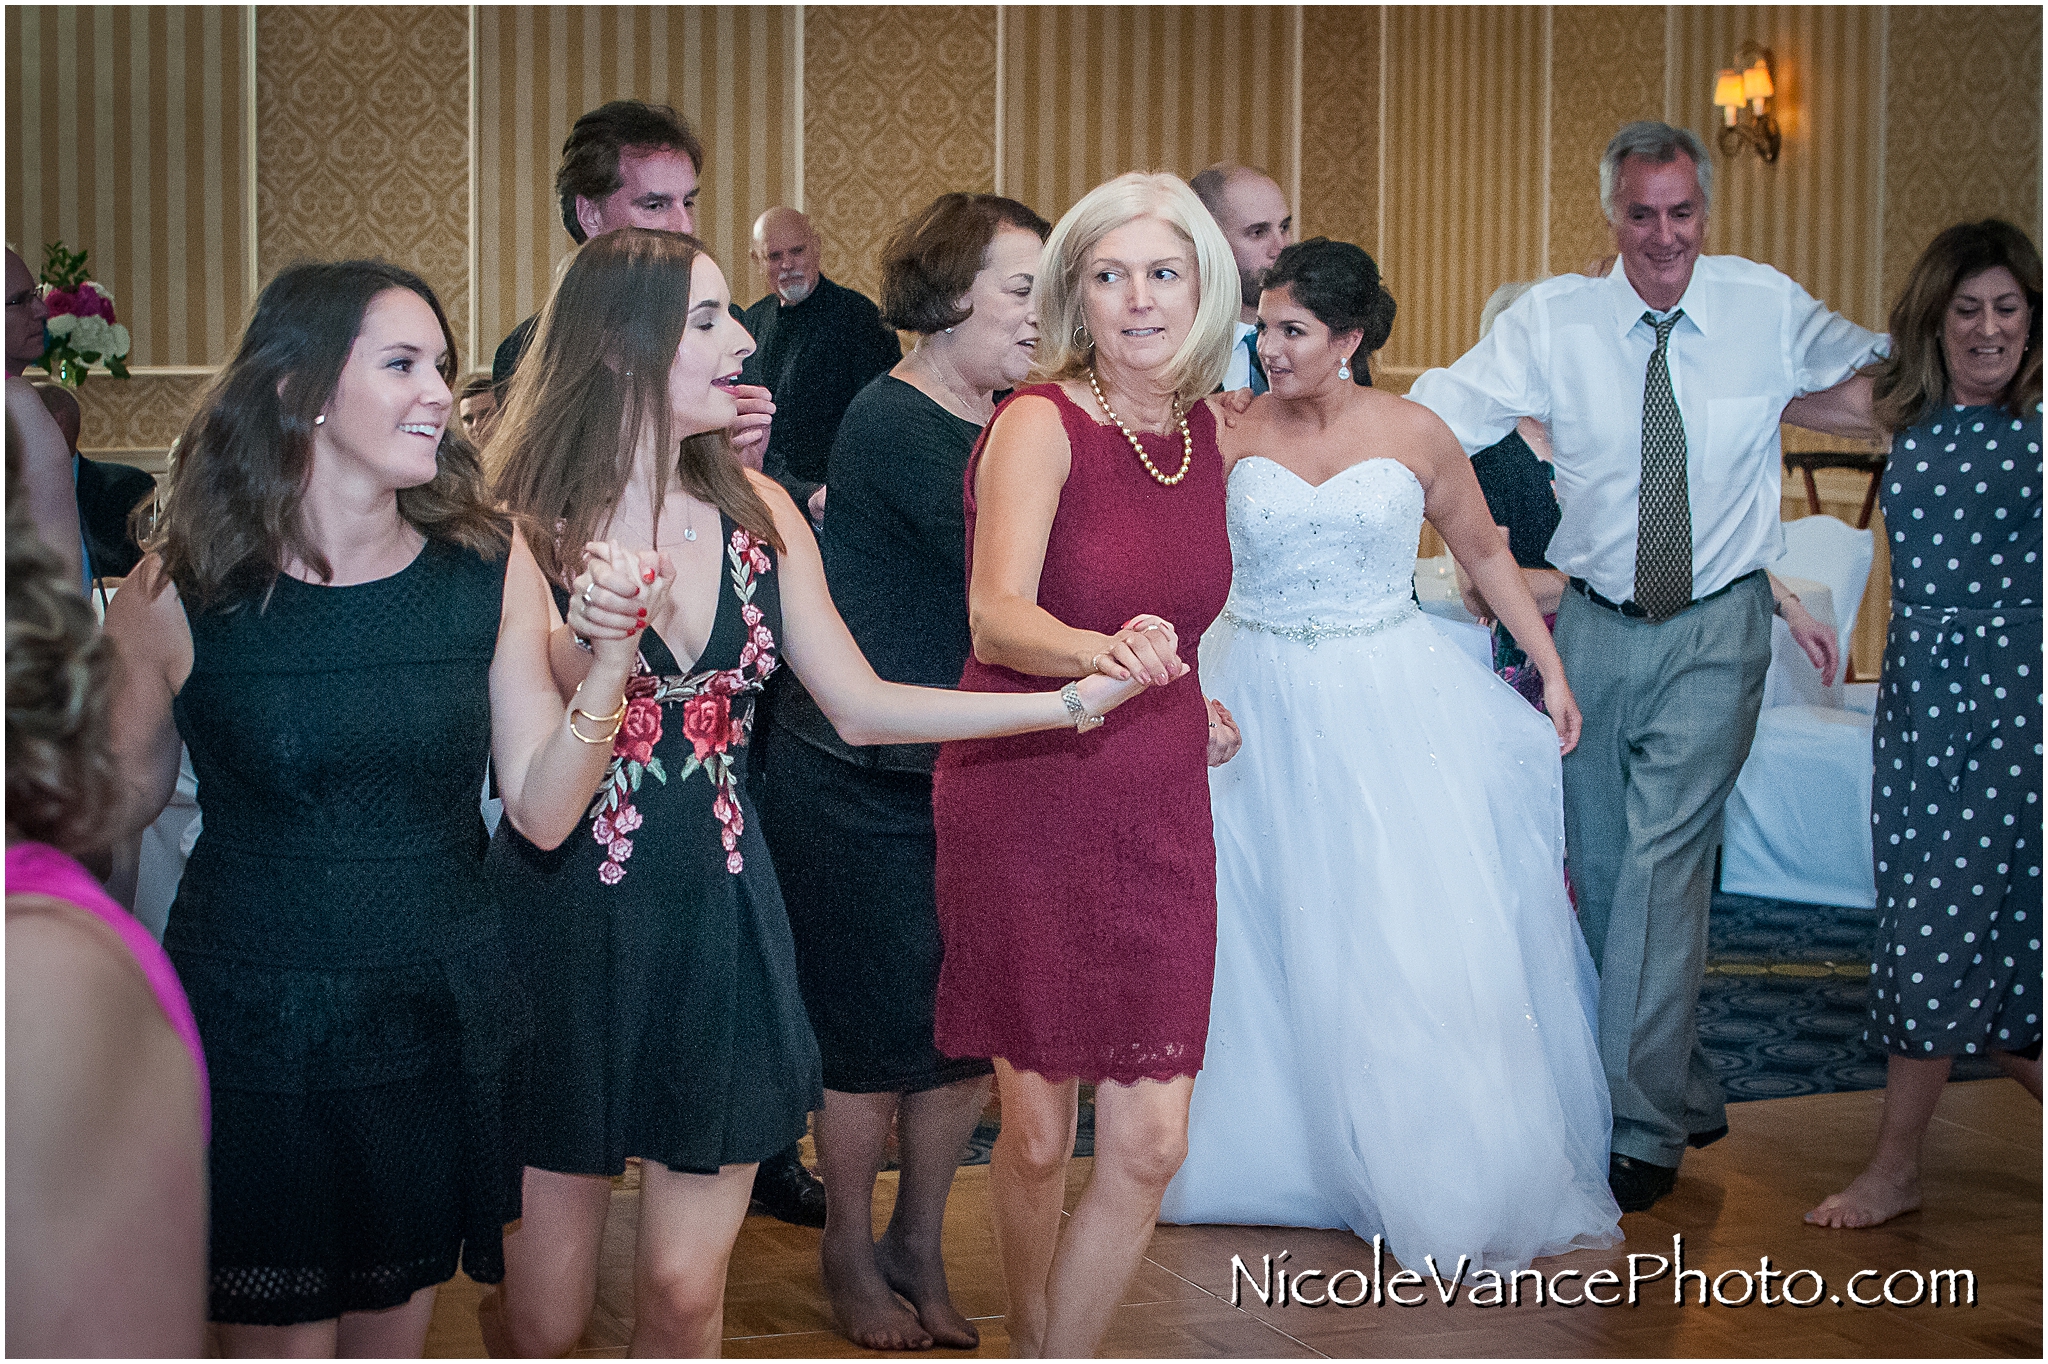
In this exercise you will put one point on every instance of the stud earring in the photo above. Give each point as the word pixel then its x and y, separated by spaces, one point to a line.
pixel 949 331
pixel 320 420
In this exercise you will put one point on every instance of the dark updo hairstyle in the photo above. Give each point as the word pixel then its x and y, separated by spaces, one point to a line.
pixel 1914 378
pixel 932 259
pixel 231 515
pixel 1338 283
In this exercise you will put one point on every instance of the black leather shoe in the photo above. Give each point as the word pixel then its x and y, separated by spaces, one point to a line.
pixel 1699 1141
pixel 785 1190
pixel 1636 1183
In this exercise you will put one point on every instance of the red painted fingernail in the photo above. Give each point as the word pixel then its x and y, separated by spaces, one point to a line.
pixel 643 613
pixel 648 576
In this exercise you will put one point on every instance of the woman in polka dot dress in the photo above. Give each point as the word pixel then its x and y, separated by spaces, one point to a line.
pixel 1955 798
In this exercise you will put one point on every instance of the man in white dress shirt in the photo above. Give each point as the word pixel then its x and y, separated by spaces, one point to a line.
pixel 1255 219
pixel 1662 384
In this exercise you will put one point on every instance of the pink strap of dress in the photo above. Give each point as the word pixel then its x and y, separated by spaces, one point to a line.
pixel 38 869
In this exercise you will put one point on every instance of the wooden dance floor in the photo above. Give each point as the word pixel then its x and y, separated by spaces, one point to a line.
pixel 1735 1203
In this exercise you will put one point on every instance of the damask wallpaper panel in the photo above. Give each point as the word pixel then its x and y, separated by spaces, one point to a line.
pixel 125 137
pixel 731 71
pixel 1608 70
pixel 1089 93
pixel 363 140
pixel 1467 106
pixel 899 108
pixel 1340 124
pixel 1963 126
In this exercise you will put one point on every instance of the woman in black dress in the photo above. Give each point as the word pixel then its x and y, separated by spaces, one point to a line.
pixel 851 828
pixel 654 941
pixel 1956 791
pixel 343 630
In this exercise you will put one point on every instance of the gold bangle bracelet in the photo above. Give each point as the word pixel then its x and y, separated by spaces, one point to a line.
pixel 616 721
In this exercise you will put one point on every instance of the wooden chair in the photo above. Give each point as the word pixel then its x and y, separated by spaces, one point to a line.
pixel 1861 461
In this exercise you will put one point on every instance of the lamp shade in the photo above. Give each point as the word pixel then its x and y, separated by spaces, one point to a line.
pixel 1728 88
pixel 1756 83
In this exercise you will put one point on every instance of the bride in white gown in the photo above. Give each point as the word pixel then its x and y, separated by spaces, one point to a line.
pixel 1401 1039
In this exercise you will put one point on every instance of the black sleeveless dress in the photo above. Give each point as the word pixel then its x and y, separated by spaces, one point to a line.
pixel 339 944
pixel 654 941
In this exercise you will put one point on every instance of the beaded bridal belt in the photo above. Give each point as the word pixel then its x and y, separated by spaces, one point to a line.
pixel 1315 632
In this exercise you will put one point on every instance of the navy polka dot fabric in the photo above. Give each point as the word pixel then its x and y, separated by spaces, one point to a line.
pixel 1956 794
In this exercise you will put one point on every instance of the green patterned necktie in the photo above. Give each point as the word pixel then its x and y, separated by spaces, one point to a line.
pixel 1664 513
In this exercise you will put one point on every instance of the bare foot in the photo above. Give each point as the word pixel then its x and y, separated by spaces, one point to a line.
pixel 1876 1196
pixel 863 1305
pixel 922 1279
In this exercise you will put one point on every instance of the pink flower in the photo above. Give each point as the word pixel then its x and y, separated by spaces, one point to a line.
pixel 764 640
pixel 86 300
pixel 621 849
pixel 758 557
pixel 707 722
pixel 748 655
pixel 734 862
pixel 602 830
pixel 611 873
pixel 626 820
pixel 740 541
pixel 724 809
pixel 751 614
pixel 731 682
pixel 640 731
pixel 730 839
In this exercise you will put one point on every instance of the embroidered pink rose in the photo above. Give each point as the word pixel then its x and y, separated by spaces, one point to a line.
pixel 734 862
pixel 621 849
pixel 640 731
pixel 707 722
pixel 763 640
pixel 611 873
pixel 602 829
pixel 758 557
pixel 626 820
pixel 751 614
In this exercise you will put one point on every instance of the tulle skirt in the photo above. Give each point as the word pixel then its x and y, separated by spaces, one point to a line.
pixel 1401 1039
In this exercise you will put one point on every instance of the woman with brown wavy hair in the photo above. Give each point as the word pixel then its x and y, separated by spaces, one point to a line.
pixel 655 941
pixel 343 631
pixel 106 1088
pixel 1956 792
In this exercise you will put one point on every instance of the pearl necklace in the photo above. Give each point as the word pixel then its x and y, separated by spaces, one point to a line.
pixel 1187 439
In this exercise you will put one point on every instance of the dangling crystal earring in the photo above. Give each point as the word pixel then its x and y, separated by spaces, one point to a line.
pixel 1344 368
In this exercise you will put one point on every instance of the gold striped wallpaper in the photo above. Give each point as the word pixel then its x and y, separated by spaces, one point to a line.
pixel 1456 144
pixel 1091 92
pixel 125 136
pixel 731 71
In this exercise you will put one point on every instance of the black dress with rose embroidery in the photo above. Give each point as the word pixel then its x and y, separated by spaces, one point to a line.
pixel 654 941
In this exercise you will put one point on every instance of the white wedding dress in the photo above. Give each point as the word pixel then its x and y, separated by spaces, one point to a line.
pixel 1401 1039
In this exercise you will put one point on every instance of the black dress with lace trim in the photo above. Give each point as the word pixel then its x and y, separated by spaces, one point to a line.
pixel 344 958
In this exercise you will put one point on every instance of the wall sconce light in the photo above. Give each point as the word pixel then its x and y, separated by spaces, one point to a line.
pixel 1748 84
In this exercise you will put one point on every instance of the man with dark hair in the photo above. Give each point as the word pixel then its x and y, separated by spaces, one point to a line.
pixel 817 345
pixel 1662 383
pixel 477 408
pixel 633 164
pixel 1248 205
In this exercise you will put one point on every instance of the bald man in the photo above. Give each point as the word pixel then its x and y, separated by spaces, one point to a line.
pixel 1248 205
pixel 816 345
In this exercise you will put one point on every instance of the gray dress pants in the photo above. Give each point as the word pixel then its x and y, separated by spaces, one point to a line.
pixel 1670 708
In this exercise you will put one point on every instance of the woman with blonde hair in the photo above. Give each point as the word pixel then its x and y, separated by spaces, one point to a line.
pixel 1077 881
pixel 654 941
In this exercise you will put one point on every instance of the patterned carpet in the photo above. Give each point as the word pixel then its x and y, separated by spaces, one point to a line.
pixel 1781 1011
pixel 1782 1008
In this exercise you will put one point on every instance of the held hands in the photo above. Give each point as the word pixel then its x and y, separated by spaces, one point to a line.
pixel 750 431
pixel 615 595
pixel 1224 739
pixel 1146 650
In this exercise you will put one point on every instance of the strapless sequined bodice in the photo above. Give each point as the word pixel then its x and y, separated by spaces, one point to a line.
pixel 1317 561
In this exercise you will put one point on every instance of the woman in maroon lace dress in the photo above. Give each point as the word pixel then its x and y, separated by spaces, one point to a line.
pixel 1077 881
